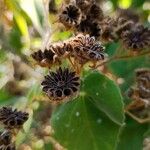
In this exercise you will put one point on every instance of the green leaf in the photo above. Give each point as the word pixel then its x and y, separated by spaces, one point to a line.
pixel 106 96
pixel 125 69
pixel 92 121
pixel 132 136
pixel 79 125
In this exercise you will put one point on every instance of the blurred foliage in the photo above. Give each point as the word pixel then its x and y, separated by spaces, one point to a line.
pixel 25 26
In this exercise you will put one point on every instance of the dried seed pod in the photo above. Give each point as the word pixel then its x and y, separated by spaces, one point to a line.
pixel 61 49
pixel 84 4
pixel 46 58
pixel 107 29
pixel 5 137
pixel 84 26
pixel 86 49
pixel 61 84
pixel 143 82
pixel 70 16
pixel 128 14
pixel 121 26
pixel 136 39
pixel 87 26
pixel 12 119
pixel 95 13
pixel 95 30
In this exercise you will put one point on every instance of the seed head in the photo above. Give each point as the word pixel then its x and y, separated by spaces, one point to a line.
pixel 87 49
pixel 60 84
pixel 84 4
pixel 121 26
pixel 44 59
pixel 70 16
pixel 12 118
pixel 107 29
pixel 87 26
pixel 136 39
pixel 95 13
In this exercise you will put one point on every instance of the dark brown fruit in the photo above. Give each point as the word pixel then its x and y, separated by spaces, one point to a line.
pixel 70 16
pixel 12 118
pixel 60 84
pixel 137 39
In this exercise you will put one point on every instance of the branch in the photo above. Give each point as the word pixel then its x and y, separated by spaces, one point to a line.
pixel 114 58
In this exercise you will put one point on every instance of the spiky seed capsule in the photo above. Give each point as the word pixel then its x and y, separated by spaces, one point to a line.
pixel 143 82
pixel 70 16
pixel 44 59
pixel 86 49
pixel 5 137
pixel 136 39
pixel 60 84
pixel 12 119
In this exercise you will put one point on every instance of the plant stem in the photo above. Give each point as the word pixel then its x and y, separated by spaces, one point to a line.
pixel 122 57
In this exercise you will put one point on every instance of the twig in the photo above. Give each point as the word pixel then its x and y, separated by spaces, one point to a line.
pixel 139 120
pixel 122 57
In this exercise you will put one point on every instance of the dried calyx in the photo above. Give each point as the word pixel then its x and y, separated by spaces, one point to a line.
pixel 87 49
pixel 81 48
pixel 61 84
pixel 12 119
pixel 70 16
